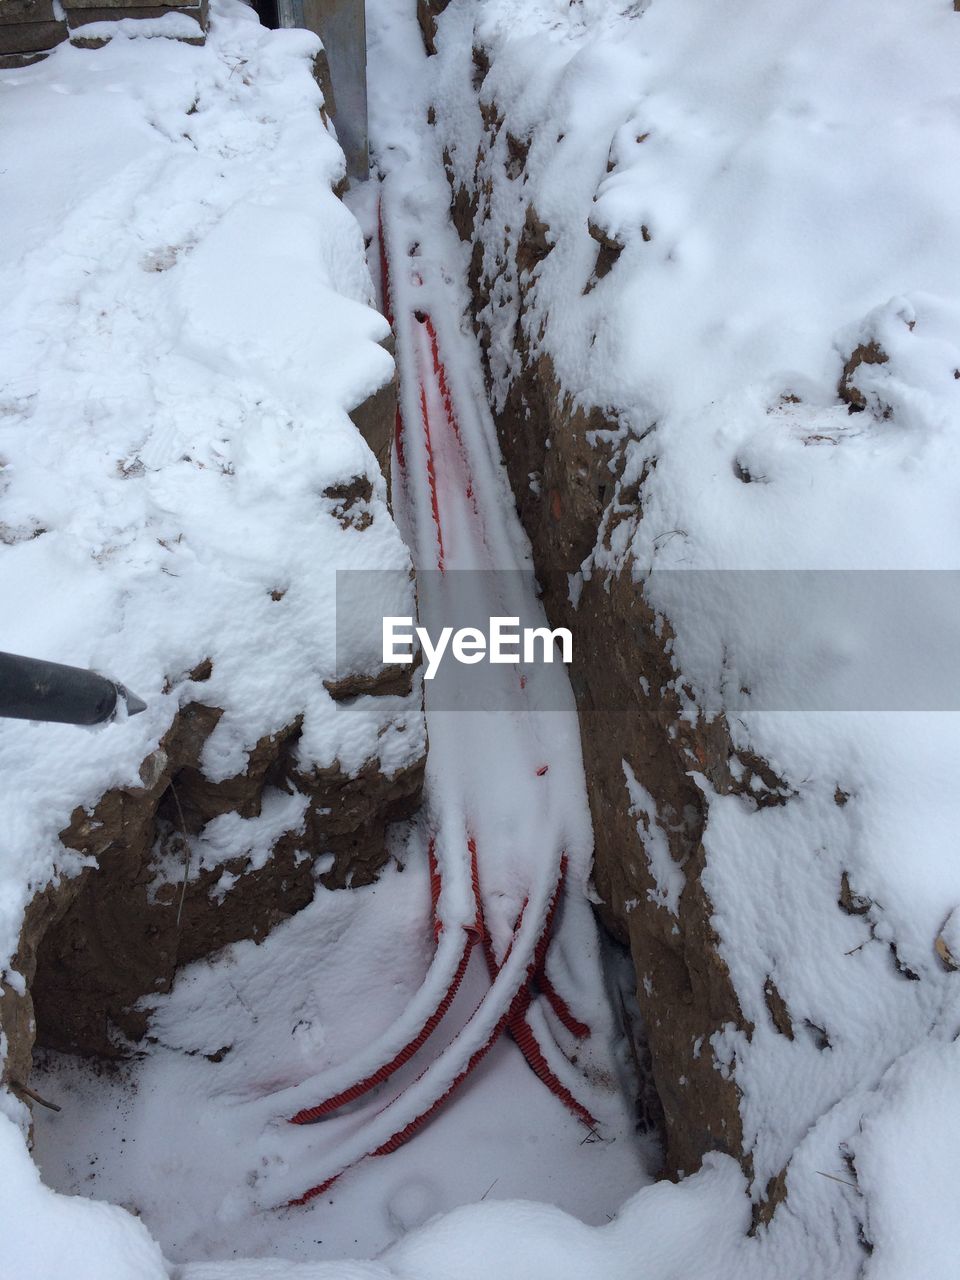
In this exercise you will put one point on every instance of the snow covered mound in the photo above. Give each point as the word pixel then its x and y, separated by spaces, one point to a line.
pixel 187 320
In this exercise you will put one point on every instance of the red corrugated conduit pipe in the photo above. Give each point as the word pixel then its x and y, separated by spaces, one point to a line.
pixel 535 980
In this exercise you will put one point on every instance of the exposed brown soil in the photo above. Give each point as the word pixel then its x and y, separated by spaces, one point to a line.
pixel 128 927
pixel 375 419
pixel 427 11
pixel 92 945
pixel 865 353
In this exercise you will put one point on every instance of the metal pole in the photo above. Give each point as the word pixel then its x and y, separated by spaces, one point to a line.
pixel 290 13
pixel 31 689
pixel 342 26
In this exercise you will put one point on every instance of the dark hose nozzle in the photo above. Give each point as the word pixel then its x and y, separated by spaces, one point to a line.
pixel 31 689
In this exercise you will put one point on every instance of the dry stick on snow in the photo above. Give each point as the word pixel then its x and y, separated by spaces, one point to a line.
pixel 32 1093
pixel 843 1181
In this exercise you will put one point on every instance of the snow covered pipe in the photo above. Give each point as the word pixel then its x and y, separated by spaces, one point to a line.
pixel 471 935
pixel 534 1049
pixel 512 1000
pixel 512 1007
pixel 31 689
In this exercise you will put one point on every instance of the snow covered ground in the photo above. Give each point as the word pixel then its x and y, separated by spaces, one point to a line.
pixel 178 1138
pixel 780 180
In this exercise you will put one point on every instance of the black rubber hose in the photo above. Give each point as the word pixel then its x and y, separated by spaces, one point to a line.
pixel 31 689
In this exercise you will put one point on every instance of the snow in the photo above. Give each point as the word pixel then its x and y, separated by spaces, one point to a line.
pixel 175 26
pixel 659 1232
pixel 187 322
pixel 909 1143
pixel 41 1229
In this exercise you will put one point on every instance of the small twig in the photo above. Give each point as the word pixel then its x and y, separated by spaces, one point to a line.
pixel 32 1093
pixel 186 845
pixel 833 1178
pixel 490 1188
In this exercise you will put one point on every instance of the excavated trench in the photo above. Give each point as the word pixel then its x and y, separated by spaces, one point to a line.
pixel 96 946
pixel 93 946
pixel 127 929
